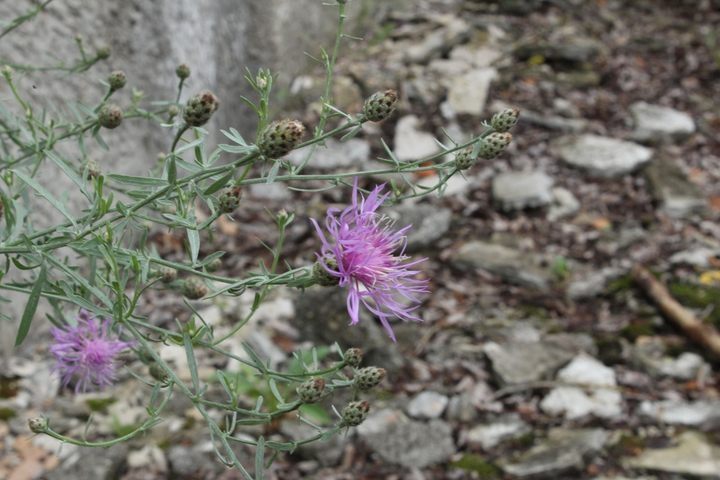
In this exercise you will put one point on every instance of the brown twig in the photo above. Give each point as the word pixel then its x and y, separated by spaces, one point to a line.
pixel 700 333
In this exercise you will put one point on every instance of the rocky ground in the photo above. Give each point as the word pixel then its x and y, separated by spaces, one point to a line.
pixel 538 357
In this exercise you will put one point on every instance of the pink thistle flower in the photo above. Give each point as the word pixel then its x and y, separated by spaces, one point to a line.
pixel 86 353
pixel 363 252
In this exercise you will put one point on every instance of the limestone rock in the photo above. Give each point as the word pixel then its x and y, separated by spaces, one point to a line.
pixel 518 190
pixel 412 444
pixel 563 451
pixel 512 265
pixel 602 156
pixel 575 402
pixel 655 123
pixel 427 404
pixel 671 188
pixel 692 455
pixel 468 93
pixel 429 223
pixel 411 143
pixel 504 428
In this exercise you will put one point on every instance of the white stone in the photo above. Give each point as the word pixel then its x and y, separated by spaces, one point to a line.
pixel 656 123
pixel 518 190
pixel 427 405
pixel 354 152
pixel 411 143
pixel 602 156
pixel 574 401
pixel 467 93
pixel 564 203
pixel 703 414
pixel 693 455
pixel 489 435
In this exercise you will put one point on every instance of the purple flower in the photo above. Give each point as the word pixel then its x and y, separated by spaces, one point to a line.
pixel 86 352
pixel 363 252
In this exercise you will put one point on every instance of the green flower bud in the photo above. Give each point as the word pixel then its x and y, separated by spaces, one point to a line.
pixel 369 377
pixel 200 108
pixel 117 80
pixel 494 144
pixel 158 372
pixel 93 170
pixel 380 105
pixel 505 120
pixel 167 274
pixel 173 111
pixel 311 391
pixel 355 413
pixel 38 424
pixel 194 288
pixel 102 53
pixel 280 138
pixel 214 266
pixel 110 116
pixel 464 159
pixel 322 276
pixel 182 71
pixel 229 199
pixel 353 357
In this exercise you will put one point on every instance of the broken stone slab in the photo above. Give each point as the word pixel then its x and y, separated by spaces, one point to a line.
pixel 427 404
pixel 704 414
pixel 512 265
pixel 468 93
pixel 429 223
pixel 590 283
pixel 523 362
pixel 492 434
pixel 601 156
pixel 575 401
pixel 563 204
pixel 412 143
pixel 354 152
pixel 657 124
pixel 671 188
pixel 518 190
pixel 693 454
pixel 563 451
pixel 438 42
pixel 410 443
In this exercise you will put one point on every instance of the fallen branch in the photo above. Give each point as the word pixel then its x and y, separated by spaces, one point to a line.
pixel 699 332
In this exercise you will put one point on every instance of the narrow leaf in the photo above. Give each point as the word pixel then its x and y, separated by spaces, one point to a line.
pixel 31 307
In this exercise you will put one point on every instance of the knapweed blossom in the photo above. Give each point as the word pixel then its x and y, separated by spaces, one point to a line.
pixel 86 353
pixel 367 256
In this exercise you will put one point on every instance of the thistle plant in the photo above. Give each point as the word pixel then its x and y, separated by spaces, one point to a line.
pixel 96 295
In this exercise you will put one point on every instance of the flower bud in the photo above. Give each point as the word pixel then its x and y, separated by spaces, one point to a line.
pixel 157 372
pixel 369 377
pixel 200 108
pixel 214 266
pixel 280 137
pixel 167 274
pixel 322 277
pixel 353 357
pixel 110 116
pixel 355 413
pixel 194 288
pixel 229 199
pixel 312 390
pixel 380 105
pixel 102 53
pixel 465 159
pixel 117 80
pixel 173 110
pixel 93 170
pixel 38 424
pixel 182 71
pixel 505 120
pixel 7 72
pixel 492 145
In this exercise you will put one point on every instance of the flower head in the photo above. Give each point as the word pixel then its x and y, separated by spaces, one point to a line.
pixel 364 253
pixel 86 352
